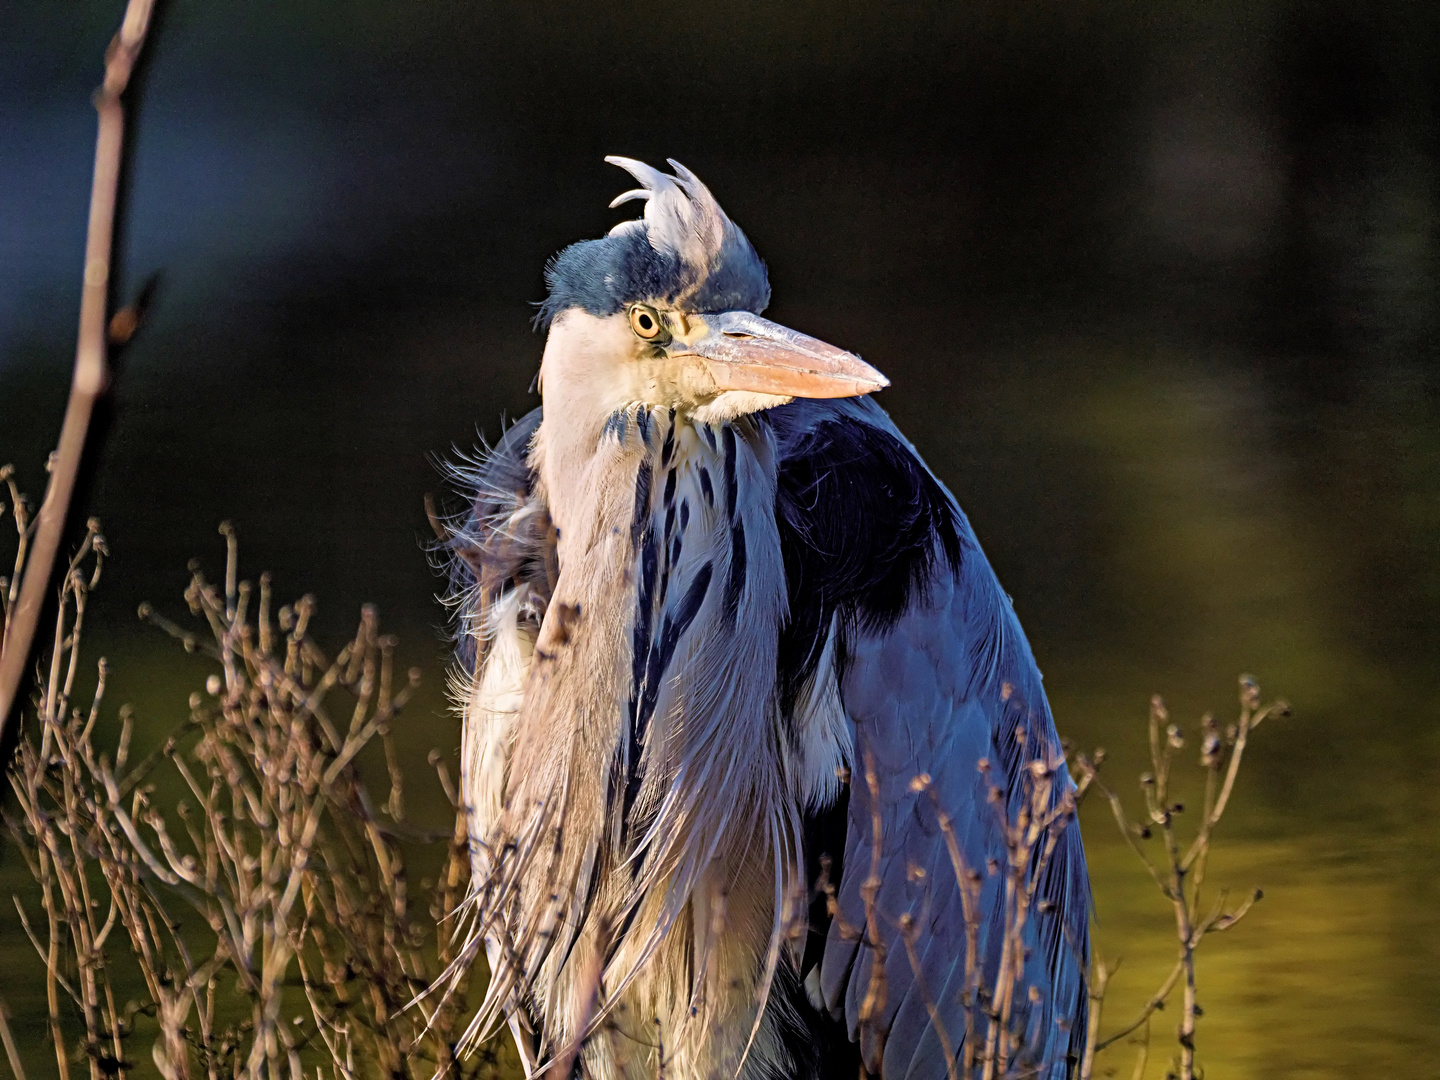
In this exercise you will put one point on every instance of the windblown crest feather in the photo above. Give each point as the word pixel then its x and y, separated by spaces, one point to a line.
pixel 683 251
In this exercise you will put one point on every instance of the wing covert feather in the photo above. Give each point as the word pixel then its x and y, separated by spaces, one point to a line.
pixel 932 691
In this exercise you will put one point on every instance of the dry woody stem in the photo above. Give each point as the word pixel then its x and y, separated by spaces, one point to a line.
pixel 1179 870
pixel 22 613
pixel 242 870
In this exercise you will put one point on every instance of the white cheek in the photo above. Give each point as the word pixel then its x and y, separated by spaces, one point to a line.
pixel 694 382
pixel 736 403
pixel 587 370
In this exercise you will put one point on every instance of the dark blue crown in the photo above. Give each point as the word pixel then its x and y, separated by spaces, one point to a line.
pixel 685 252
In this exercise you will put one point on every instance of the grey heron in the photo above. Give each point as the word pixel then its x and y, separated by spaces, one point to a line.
pixel 719 623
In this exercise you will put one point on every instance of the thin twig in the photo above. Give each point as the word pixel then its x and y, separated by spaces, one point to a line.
pixel 10 1051
pixel 1157 1001
pixel 91 373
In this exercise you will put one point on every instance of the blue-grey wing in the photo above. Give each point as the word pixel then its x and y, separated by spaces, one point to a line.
pixel 936 677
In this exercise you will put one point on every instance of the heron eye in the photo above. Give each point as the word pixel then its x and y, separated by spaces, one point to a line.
pixel 644 322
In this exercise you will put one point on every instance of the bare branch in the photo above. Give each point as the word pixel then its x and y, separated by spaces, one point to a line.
pixel 90 364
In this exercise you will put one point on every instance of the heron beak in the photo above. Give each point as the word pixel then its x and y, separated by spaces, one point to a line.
pixel 745 352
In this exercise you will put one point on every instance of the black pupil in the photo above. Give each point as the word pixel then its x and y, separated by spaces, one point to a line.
pixel 645 322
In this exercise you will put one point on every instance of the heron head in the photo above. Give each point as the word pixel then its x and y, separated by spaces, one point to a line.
pixel 665 310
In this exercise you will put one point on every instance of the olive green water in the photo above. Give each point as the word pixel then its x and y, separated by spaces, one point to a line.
pixel 1157 286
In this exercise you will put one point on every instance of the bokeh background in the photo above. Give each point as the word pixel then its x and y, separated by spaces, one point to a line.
pixel 1157 285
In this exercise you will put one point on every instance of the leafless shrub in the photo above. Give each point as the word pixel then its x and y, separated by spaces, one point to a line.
pixel 1179 872
pixel 268 912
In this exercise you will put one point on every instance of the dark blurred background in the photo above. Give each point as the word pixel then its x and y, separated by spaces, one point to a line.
pixel 1157 286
